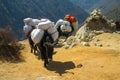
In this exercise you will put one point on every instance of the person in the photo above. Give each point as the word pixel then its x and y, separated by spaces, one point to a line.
pixel 73 22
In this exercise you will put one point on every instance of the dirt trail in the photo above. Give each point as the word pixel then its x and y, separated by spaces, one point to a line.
pixel 78 63
pixel 107 40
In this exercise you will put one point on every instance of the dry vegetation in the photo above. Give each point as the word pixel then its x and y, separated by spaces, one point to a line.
pixel 9 47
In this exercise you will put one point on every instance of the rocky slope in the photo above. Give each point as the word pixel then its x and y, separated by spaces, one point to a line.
pixel 94 25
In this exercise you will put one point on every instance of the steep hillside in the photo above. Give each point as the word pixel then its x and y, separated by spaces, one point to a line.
pixel 13 12
pixel 106 5
pixel 109 7
pixel 85 4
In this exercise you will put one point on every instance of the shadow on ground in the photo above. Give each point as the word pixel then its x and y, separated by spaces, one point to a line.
pixel 61 67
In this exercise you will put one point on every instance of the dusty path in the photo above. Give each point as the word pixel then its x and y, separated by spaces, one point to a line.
pixel 78 63
pixel 107 40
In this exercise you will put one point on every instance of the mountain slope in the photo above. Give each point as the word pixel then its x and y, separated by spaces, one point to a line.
pixel 109 7
pixel 13 12
pixel 85 4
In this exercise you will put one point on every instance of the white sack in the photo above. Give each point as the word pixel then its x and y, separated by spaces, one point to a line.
pixel 37 35
pixel 27 20
pixel 63 28
pixel 31 23
pixel 68 28
pixel 44 20
pixel 52 30
pixel 45 25
pixel 64 25
pixel 55 36
pixel 34 22
pixel 27 29
pixel 67 23
pixel 59 22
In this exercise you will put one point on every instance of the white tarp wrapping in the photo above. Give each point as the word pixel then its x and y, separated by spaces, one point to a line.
pixel 67 23
pixel 45 25
pixel 31 22
pixel 41 25
pixel 64 25
pixel 68 28
pixel 27 20
pixel 62 22
pixel 43 20
pixel 52 30
pixel 27 29
pixel 37 35
pixel 59 22
pixel 34 22
pixel 65 28
pixel 55 36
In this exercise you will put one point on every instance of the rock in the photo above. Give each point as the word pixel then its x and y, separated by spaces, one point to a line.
pixel 97 40
pixel 100 45
pixel 72 45
pixel 118 32
pixel 85 43
pixel 70 40
pixel 95 44
pixel 66 46
pixel 94 25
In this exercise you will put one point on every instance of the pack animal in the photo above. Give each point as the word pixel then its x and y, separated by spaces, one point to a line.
pixel 46 47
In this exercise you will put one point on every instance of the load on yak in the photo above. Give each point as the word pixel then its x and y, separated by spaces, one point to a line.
pixel 42 35
pixel 67 26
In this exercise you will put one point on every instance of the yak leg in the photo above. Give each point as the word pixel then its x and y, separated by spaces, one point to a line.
pixel 43 54
pixel 31 43
pixel 49 50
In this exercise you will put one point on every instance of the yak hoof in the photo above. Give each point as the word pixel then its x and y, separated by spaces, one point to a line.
pixel 31 51
pixel 49 60
pixel 45 65
pixel 36 53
